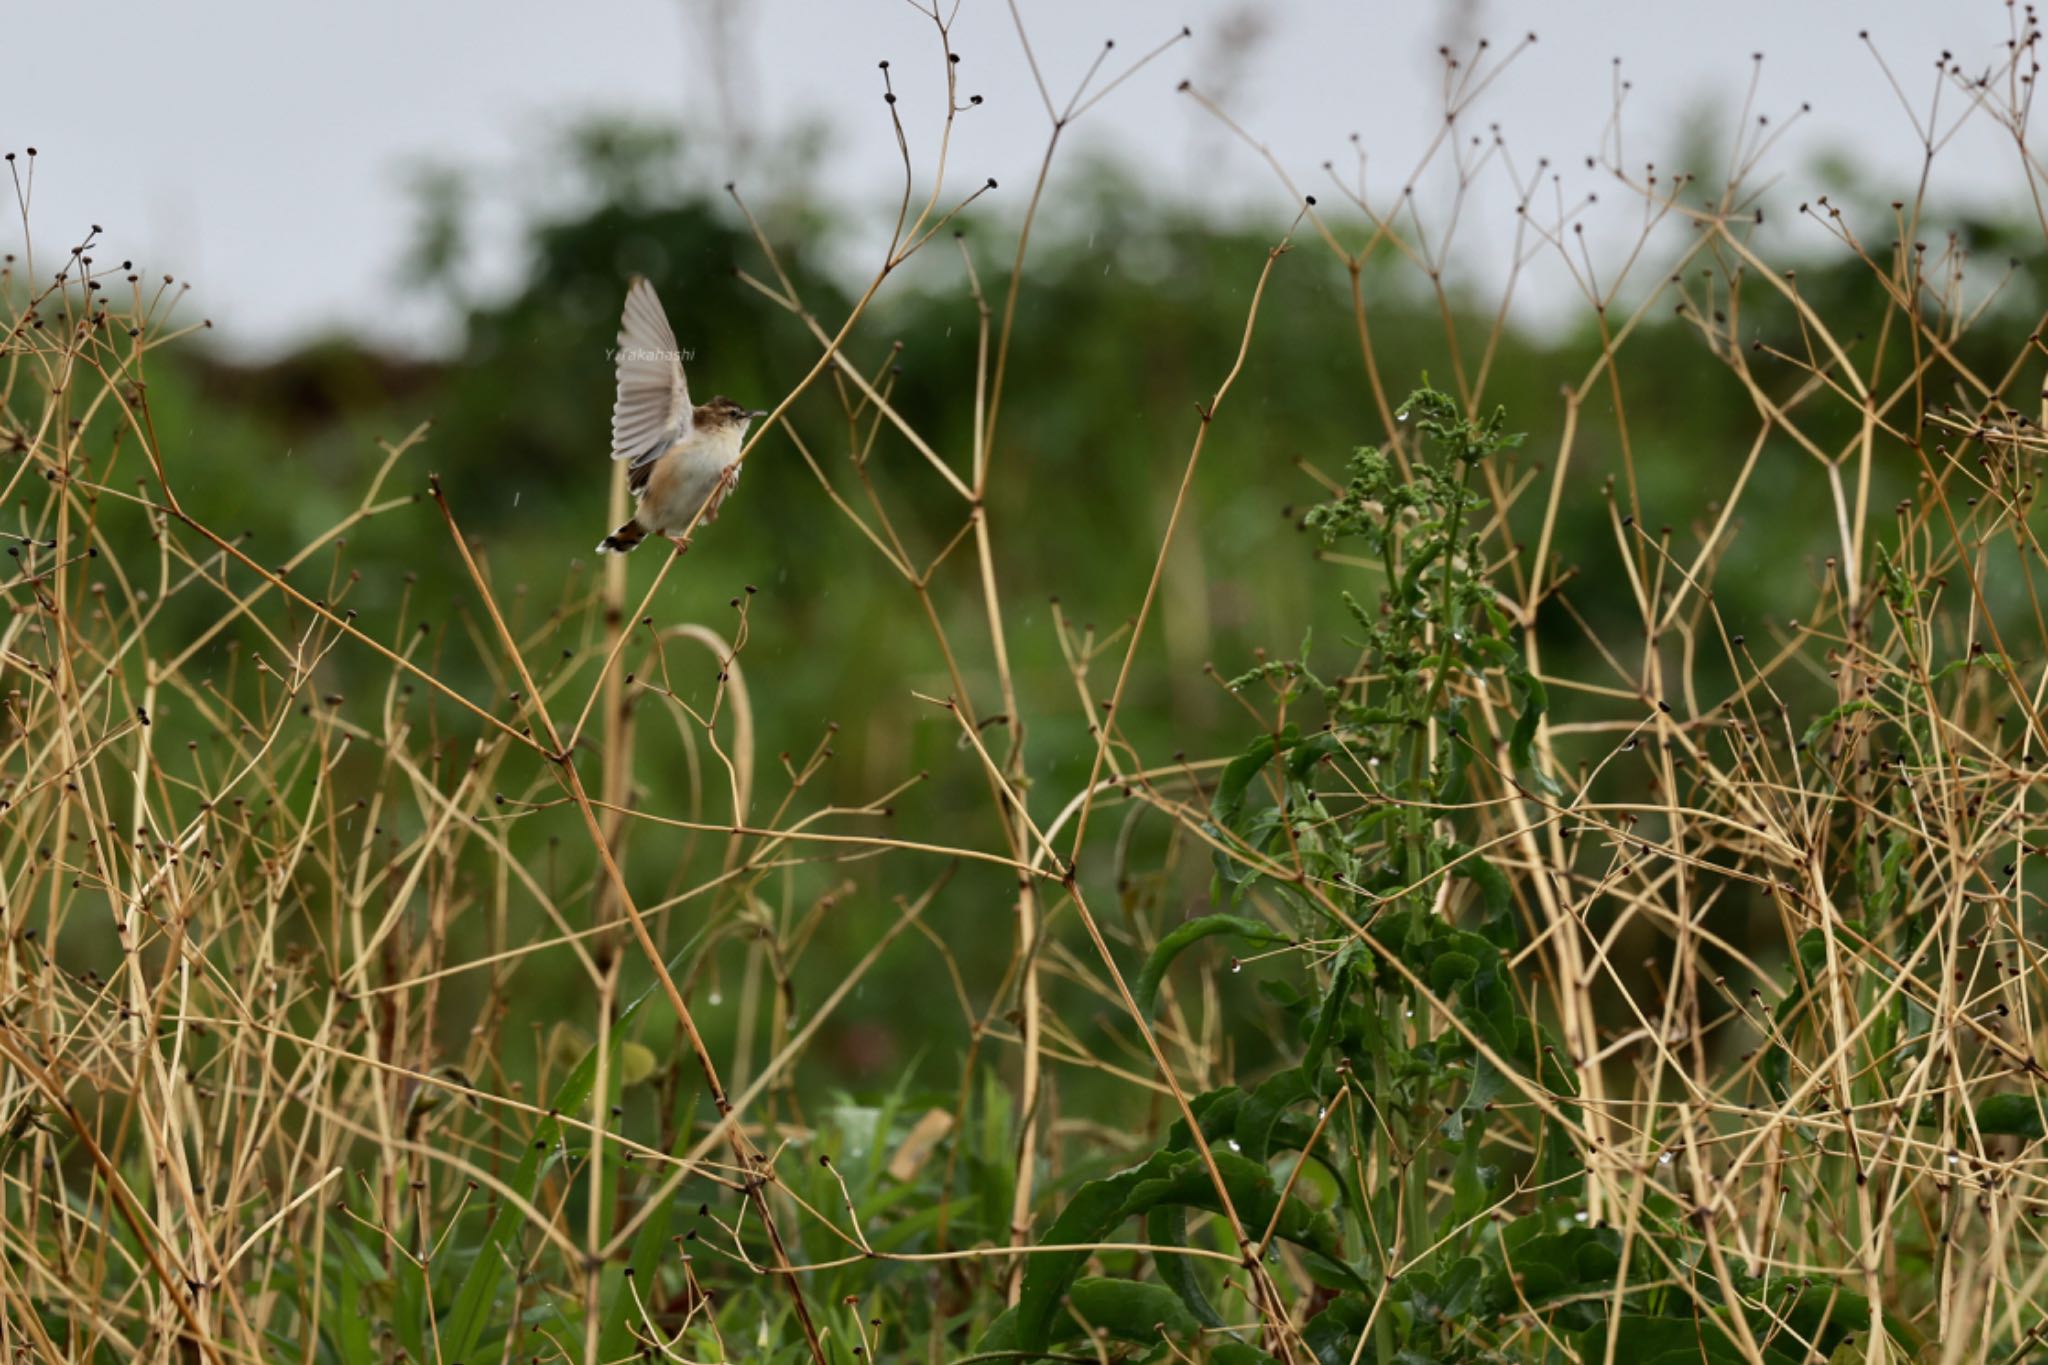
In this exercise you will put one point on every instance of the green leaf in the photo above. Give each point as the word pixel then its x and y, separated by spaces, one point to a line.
pixel 344 1323
pixel 1496 898
pixel 1470 1182
pixel 1461 1286
pixel 412 1302
pixel 1001 1336
pixel 1450 971
pixel 1195 930
pixel 1239 1353
pixel 1263 1110
pixel 1521 742
pixel 1253 1195
pixel 1131 1309
pixel 649 1244
pixel 1576 1261
pixel 1311 751
pixel 1215 1110
pixel 1167 1226
pixel 1229 800
pixel 1333 1333
pixel 1352 959
pixel 1171 1177
pixel 1637 1337
pixel 1489 1083
pixel 1826 1313
pixel 1094 1212
pixel 1995 662
pixel 1813 952
pixel 2013 1115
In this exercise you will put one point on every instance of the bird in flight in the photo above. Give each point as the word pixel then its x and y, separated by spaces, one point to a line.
pixel 685 458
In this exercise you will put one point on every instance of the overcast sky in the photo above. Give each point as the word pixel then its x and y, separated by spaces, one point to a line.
pixel 262 150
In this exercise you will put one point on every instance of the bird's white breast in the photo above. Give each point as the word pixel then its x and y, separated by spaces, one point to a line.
pixel 684 477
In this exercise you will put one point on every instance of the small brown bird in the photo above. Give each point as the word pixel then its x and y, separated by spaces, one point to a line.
pixel 685 459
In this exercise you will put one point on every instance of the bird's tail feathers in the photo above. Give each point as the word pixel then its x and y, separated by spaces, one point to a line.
pixel 623 539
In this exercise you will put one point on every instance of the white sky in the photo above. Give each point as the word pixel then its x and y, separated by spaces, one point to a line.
pixel 260 150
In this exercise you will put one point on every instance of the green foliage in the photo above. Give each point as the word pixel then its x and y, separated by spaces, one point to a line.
pixel 1411 1051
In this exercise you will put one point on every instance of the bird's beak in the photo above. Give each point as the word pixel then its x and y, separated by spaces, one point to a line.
pixel 757 413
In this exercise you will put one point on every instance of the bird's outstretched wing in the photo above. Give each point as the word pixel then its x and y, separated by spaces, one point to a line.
pixel 653 406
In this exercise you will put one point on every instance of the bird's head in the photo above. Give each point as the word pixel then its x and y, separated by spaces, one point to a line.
pixel 722 412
